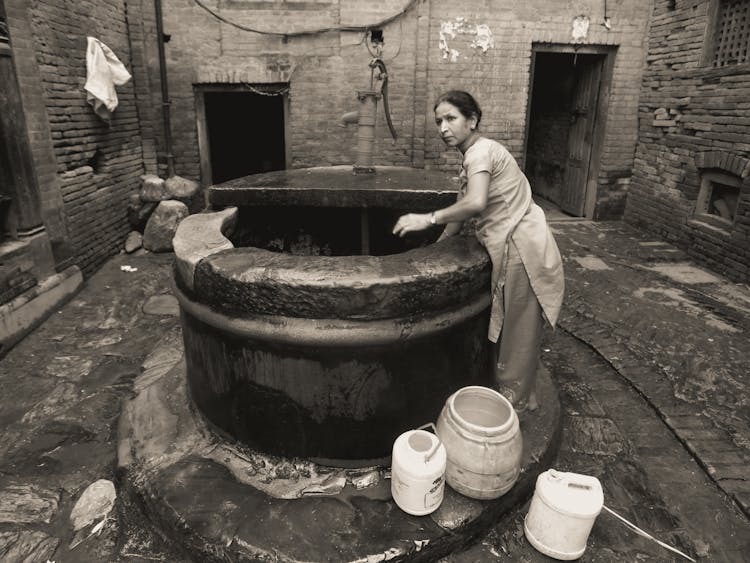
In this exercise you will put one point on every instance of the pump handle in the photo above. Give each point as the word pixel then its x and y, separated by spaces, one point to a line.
pixel 380 65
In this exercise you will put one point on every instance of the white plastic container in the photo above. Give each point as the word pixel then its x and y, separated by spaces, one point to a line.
pixel 482 437
pixel 562 513
pixel 418 472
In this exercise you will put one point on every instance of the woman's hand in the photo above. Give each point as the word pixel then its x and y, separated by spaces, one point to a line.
pixel 412 222
pixel 472 203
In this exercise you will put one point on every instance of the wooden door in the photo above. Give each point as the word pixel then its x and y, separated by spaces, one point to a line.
pixel 588 71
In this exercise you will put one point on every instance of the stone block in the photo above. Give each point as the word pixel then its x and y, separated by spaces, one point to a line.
pixel 153 189
pixel 133 242
pixel 139 213
pixel 199 236
pixel 162 226
pixel 181 188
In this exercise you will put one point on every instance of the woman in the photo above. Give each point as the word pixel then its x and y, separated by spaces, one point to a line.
pixel 527 276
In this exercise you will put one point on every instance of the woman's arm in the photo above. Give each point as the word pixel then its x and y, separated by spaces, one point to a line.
pixel 452 228
pixel 473 202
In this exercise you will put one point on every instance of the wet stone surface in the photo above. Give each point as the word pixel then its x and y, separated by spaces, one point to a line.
pixel 620 354
pixel 27 504
pixel 63 387
pixel 27 546
pixel 222 500
pixel 650 480
pixel 676 332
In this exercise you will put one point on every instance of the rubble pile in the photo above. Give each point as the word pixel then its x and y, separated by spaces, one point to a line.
pixel 157 209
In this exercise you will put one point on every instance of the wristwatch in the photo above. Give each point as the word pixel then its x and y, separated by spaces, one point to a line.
pixel 433 219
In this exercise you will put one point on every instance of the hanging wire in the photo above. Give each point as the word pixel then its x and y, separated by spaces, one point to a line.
pixel 266 92
pixel 289 34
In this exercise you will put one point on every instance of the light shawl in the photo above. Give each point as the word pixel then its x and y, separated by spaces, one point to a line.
pixel 511 214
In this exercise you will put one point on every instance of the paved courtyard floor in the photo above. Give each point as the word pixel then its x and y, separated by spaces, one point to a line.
pixel 651 358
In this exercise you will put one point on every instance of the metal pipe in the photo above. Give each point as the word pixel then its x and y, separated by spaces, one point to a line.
pixel 165 103
pixel 349 117
pixel 366 131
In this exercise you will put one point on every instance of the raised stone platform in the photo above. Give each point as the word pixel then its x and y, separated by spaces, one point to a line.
pixel 22 314
pixel 336 186
pixel 224 502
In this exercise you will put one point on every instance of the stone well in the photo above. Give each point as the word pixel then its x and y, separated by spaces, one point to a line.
pixel 328 357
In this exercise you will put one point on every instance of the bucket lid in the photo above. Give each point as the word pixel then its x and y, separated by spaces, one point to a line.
pixel 571 493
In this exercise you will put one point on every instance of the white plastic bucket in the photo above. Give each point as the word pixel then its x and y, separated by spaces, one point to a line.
pixel 482 438
pixel 562 513
pixel 418 472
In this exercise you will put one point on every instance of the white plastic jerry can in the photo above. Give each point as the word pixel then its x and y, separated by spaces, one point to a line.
pixel 418 472
pixel 562 513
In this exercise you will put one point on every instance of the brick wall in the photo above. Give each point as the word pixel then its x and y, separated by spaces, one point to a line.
pixel 325 71
pixel 144 56
pixel 87 168
pixel 694 120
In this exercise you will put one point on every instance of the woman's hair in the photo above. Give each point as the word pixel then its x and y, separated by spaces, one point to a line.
pixel 464 102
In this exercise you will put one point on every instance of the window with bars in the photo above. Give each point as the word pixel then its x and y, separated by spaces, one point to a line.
pixel 731 39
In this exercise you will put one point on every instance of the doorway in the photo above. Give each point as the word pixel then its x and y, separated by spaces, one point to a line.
pixel 241 132
pixel 569 91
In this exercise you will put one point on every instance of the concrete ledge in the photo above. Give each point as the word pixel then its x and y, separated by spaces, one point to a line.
pixel 251 281
pixel 391 187
pixel 201 235
pixel 21 315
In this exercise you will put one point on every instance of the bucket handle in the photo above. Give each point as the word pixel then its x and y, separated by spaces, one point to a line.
pixel 428 455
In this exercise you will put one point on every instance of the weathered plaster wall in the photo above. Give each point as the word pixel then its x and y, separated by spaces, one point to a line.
pixel 501 76
pixel 324 72
pixel 693 118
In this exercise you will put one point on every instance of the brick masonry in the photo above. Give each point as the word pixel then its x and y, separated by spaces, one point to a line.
pixel 693 118
pixel 325 70
pixel 86 167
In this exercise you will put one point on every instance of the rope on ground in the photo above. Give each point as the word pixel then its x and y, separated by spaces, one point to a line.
pixel 646 535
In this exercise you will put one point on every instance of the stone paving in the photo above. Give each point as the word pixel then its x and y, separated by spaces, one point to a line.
pixel 648 357
pixel 678 334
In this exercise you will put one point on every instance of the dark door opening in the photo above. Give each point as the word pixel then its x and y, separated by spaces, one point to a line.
pixel 245 133
pixel 562 121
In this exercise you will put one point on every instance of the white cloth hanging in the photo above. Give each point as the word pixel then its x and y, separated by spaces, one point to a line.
pixel 104 71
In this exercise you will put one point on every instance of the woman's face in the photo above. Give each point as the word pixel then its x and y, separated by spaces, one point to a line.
pixel 453 126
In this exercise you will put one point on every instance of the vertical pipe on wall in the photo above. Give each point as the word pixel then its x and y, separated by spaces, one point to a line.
pixel 165 103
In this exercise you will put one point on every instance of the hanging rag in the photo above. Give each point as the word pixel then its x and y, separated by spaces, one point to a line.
pixel 104 71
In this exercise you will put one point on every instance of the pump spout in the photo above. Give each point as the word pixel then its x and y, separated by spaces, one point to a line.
pixel 348 118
